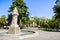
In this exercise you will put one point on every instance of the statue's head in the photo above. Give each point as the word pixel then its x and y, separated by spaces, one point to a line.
pixel 15 11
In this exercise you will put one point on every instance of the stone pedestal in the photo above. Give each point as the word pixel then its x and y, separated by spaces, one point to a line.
pixel 14 30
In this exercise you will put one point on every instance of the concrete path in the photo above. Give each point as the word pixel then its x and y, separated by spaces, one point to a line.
pixel 43 35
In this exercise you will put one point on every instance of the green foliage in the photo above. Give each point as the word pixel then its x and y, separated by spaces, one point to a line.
pixel 23 21
pixel 22 10
pixel 37 20
pixel 48 23
pixel 20 4
pixel 44 29
pixel 52 24
pixel 44 25
pixel 56 10
pixel 9 19
pixel 3 20
pixel 44 22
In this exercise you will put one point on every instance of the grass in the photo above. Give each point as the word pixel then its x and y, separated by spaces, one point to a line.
pixel 42 29
pixel 46 29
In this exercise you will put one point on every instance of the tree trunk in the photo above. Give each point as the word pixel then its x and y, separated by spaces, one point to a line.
pixel 57 28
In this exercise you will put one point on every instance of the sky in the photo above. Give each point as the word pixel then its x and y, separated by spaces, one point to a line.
pixel 39 8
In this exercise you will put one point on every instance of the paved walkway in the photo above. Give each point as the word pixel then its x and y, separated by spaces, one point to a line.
pixel 43 35
pixel 46 36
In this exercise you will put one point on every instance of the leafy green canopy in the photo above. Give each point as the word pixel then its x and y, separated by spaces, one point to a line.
pixel 3 20
pixel 57 11
pixel 21 6
pixel 22 9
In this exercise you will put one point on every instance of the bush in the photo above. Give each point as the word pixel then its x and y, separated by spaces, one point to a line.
pixel 3 20
pixel 52 24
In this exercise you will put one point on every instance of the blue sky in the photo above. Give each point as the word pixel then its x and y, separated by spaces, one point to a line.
pixel 37 8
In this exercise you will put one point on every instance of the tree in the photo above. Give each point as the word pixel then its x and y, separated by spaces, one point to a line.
pixel 56 10
pixel 37 20
pixel 22 9
pixel 3 20
pixel 9 19
pixel 24 21
pixel 52 24
pixel 44 22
